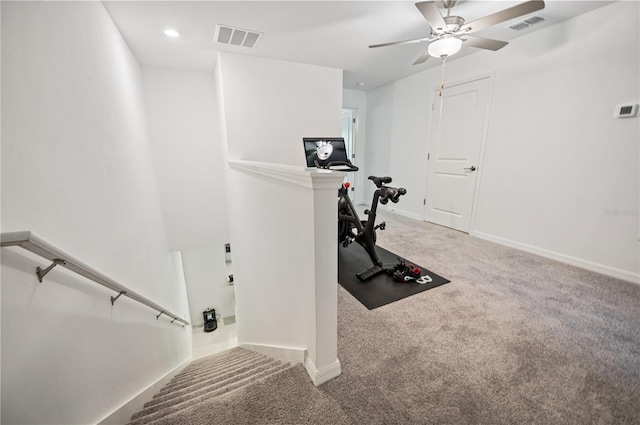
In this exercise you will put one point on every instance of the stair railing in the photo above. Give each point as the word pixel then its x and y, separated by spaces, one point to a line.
pixel 36 244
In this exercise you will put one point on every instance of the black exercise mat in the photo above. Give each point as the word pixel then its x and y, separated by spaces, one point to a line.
pixel 382 289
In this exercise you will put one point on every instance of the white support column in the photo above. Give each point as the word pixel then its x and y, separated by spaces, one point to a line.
pixel 322 363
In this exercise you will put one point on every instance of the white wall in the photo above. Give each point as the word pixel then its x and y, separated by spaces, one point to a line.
pixel 77 170
pixel 380 109
pixel 190 160
pixel 273 266
pixel 207 286
pixel 271 105
pixel 556 161
pixel 267 107
pixel 397 138
pixel 183 126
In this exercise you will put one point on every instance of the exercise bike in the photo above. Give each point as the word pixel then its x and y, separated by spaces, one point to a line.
pixel 352 229
pixel 331 154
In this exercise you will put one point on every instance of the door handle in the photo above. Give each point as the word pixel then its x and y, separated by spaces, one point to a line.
pixel 472 168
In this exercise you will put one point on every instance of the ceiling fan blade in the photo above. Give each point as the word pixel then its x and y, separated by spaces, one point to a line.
pixel 393 43
pixel 423 57
pixel 504 15
pixel 431 13
pixel 483 43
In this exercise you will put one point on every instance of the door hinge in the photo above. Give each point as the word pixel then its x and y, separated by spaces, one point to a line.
pixel 353 156
pixel 424 201
pixel 428 156
pixel 433 106
pixel 354 121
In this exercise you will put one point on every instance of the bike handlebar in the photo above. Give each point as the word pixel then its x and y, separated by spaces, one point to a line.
pixel 391 193
pixel 347 164
pixel 387 192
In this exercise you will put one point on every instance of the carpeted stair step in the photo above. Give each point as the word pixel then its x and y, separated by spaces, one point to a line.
pixel 208 384
pixel 211 389
pixel 148 416
pixel 207 378
pixel 216 360
pixel 218 374
pixel 212 358
pixel 203 374
pixel 230 362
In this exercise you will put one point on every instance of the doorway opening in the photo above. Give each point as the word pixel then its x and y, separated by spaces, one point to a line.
pixel 350 135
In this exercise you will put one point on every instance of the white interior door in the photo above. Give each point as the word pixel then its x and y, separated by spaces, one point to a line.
pixel 457 132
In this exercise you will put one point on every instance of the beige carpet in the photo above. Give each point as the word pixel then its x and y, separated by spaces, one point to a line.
pixel 513 339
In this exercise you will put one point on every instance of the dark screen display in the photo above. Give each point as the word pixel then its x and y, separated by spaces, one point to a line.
pixel 324 150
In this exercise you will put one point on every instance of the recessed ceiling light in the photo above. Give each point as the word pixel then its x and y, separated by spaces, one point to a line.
pixel 169 32
pixel 361 84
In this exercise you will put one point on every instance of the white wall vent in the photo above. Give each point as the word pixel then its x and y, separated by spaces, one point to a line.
pixel 520 25
pixel 236 36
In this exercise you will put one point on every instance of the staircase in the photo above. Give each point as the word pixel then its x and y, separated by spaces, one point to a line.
pixel 205 379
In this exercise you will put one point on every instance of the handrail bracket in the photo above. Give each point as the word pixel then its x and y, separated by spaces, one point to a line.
pixel 42 272
pixel 114 299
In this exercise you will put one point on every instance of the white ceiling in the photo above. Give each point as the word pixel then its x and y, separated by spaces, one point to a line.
pixel 334 34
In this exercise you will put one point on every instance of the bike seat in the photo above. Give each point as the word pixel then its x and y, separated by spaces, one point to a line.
pixel 379 181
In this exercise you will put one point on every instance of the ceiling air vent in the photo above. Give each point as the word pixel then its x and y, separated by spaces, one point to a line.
pixel 237 36
pixel 520 25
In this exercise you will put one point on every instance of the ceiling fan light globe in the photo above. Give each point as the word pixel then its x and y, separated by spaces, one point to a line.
pixel 445 47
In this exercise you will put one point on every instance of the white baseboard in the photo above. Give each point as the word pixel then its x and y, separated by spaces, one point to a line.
pixel 323 375
pixel 284 354
pixel 399 212
pixel 123 414
pixel 390 209
pixel 574 261
pixel 298 355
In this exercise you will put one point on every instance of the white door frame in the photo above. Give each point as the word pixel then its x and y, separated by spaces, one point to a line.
pixel 483 142
pixel 354 147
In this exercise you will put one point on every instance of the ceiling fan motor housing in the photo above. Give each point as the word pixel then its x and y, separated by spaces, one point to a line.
pixel 453 23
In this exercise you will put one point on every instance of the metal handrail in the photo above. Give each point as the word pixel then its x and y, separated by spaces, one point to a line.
pixel 34 243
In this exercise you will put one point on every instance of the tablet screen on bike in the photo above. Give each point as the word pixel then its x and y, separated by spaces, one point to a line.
pixel 324 150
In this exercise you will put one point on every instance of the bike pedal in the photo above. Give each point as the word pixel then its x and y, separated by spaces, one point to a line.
pixel 381 226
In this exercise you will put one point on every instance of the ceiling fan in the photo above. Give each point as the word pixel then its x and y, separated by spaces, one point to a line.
pixel 449 32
